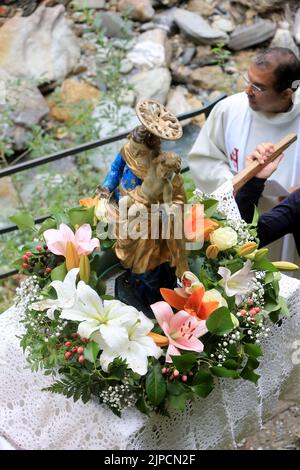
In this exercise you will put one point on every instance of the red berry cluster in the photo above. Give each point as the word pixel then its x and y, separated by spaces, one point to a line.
pixel 75 350
pixel 40 262
pixel 172 374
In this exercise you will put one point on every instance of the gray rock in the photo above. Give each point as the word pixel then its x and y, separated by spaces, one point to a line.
pixel 202 7
pixel 110 121
pixel 41 46
pixel 188 55
pixel 169 3
pixel 248 35
pixel 262 6
pixel 83 4
pixel 126 66
pixel 113 25
pixel 224 25
pixel 152 50
pixel 283 38
pixel 23 107
pixel 197 29
pixel 180 73
pixel 140 10
pixel 297 27
pixel 177 102
pixel 152 84
pixel 167 18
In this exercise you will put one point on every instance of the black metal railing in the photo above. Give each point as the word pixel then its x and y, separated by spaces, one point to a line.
pixel 13 169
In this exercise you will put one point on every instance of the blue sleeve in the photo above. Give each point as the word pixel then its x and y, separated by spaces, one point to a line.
pixel 248 196
pixel 114 176
pixel 277 222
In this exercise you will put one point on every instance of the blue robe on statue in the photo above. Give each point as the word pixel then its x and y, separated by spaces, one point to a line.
pixel 120 173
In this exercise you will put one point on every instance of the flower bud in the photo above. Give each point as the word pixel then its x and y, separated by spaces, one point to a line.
pixel 285 266
pixel 247 248
pixel 84 268
pixel 212 251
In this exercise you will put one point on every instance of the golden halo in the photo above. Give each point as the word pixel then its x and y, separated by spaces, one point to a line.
pixel 158 120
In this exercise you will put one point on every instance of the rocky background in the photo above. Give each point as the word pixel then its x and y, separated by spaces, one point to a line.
pixel 72 71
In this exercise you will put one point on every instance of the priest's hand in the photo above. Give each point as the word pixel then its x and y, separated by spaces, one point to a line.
pixel 260 154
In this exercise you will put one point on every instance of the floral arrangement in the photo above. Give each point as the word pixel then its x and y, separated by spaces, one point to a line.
pixel 213 325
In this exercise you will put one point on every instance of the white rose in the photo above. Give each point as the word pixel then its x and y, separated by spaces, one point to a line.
pixel 214 294
pixel 224 238
pixel 101 210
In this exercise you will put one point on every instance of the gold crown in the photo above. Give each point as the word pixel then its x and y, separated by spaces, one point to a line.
pixel 158 120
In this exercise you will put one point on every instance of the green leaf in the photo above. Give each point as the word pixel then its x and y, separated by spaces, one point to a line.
pixel 142 405
pixel 223 372
pixel 91 351
pixel 178 402
pixel 210 206
pixel 175 388
pixel 103 261
pixel 59 273
pixel 117 369
pixel 155 385
pixel 185 362
pixel 248 374
pixel 269 277
pixel 202 390
pixel 231 364
pixel 47 224
pixel 255 216
pixel 253 350
pixel 202 377
pixel 264 265
pixel 23 220
pixel 221 321
pixel 81 215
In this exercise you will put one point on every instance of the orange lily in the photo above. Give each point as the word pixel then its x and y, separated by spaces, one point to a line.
pixel 193 305
pixel 88 201
pixel 196 220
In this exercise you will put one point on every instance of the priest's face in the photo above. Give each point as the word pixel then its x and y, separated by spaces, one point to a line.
pixel 261 93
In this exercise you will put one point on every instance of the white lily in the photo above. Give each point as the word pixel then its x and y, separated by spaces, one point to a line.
pixel 66 295
pixel 101 320
pixel 137 347
pixel 238 283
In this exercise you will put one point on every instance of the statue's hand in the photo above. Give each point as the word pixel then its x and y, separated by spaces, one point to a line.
pixel 102 192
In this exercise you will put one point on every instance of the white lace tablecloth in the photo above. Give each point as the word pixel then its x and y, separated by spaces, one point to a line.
pixel 31 419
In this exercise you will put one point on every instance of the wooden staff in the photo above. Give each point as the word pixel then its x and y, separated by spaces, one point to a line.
pixel 245 175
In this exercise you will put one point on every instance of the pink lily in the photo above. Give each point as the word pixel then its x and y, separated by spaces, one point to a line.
pixel 181 329
pixel 82 240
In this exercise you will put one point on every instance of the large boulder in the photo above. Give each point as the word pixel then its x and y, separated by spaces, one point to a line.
pixel 197 29
pixel 152 84
pixel 41 46
pixel 152 50
pixel 284 38
pixel 249 35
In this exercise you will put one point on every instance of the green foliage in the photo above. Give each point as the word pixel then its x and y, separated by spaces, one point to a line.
pixel 155 385
pixel 221 54
pixel 73 384
pixel 221 321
